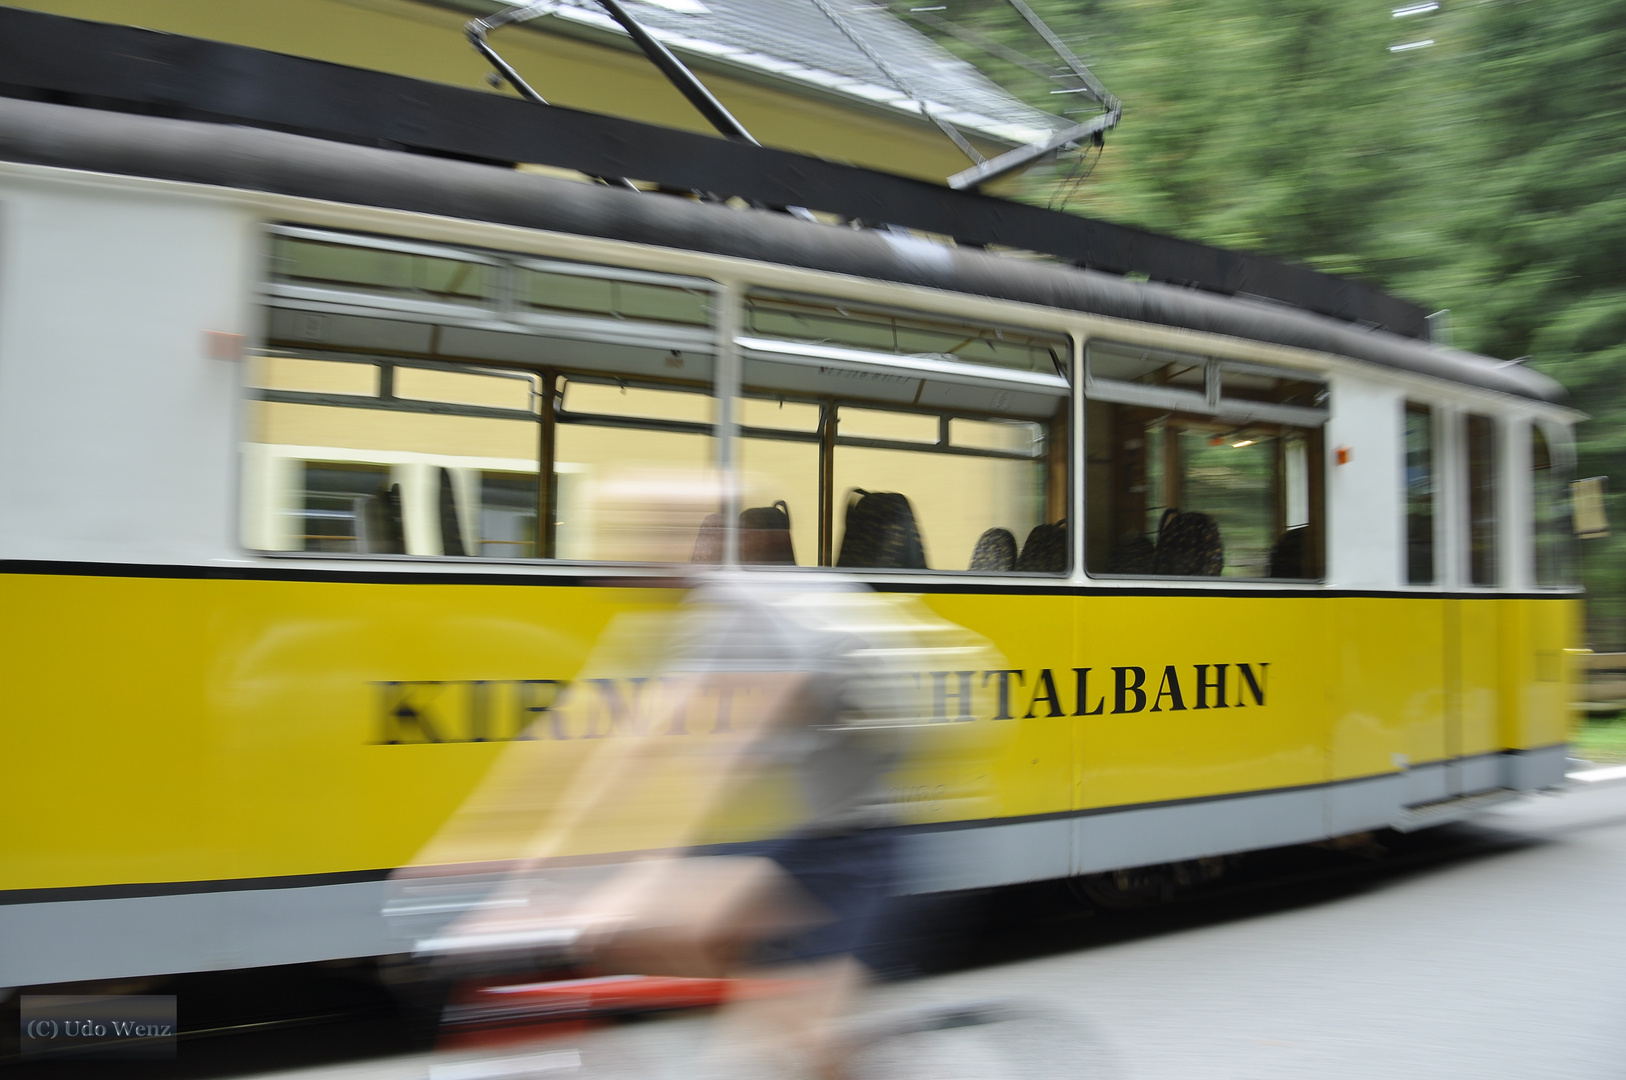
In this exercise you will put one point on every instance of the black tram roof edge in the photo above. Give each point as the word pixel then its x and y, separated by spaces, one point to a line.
pixel 254 159
pixel 127 69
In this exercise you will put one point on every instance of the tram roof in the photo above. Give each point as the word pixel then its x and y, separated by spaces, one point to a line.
pixel 296 165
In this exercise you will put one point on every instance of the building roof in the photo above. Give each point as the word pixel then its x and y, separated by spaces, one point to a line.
pixel 843 48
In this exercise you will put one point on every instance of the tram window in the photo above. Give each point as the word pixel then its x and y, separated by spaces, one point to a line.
pixel 582 397
pixel 602 448
pixel 1483 464
pixel 1240 381
pixel 400 271
pixel 779 453
pixel 568 289
pixel 784 470
pixel 386 457
pixel 778 415
pixel 852 423
pixel 518 392
pixel 601 302
pixel 1199 467
pixel 1151 369
pixel 1010 436
pixel 1551 525
pixel 316 376
pixel 1419 494
pixel 1190 496
pixel 632 499
pixel 906 440
pixel 634 470
pixel 954 495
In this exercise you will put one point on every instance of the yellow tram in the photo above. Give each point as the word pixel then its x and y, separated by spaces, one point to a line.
pixel 310 506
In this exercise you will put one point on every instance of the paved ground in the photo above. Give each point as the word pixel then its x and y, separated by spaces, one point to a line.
pixel 1508 963
pixel 1490 950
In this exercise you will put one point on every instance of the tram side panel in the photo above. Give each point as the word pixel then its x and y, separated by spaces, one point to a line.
pixel 1022 731
pixel 1202 728
pixel 117 439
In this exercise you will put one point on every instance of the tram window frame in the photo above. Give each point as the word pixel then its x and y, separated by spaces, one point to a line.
pixel 1420 493
pixel 1186 393
pixel 1482 454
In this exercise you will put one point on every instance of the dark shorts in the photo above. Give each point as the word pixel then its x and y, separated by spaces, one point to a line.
pixel 850 875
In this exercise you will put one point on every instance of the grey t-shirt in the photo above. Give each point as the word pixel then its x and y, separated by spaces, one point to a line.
pixel 841 746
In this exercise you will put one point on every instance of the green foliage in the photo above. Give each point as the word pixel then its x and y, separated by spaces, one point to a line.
pixel 1485 174
pixel 1601 741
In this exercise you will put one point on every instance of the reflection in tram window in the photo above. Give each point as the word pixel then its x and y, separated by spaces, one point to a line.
pixel 508 515
pixel 345 507
pixel 1483 463
pixel 1202 468
pixel 341 460
pixel 567 289
pixel 1553 532
pixel 1419 494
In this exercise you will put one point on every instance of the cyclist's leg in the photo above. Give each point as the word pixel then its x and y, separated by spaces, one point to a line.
pixel 818 971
